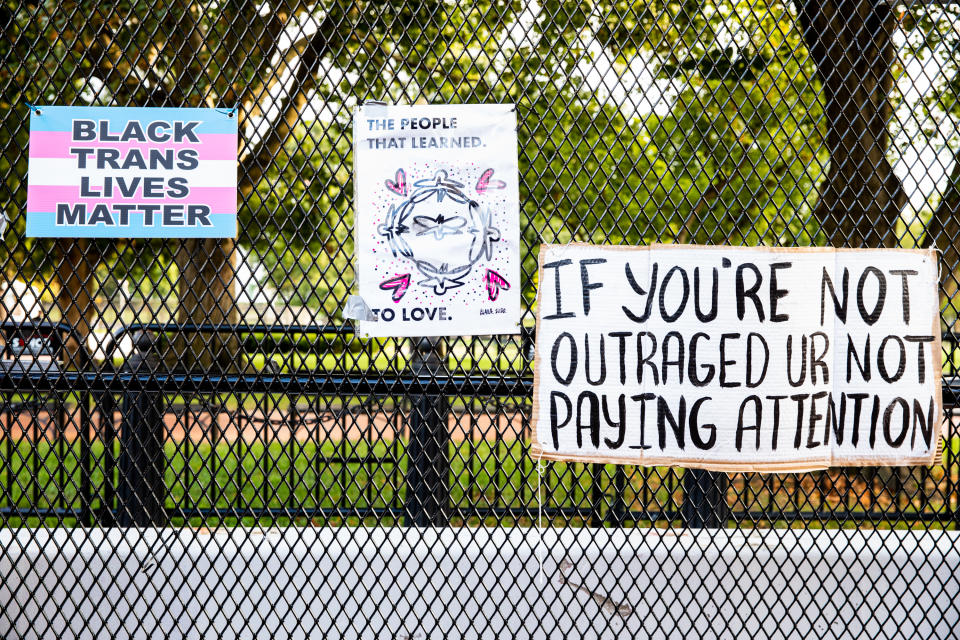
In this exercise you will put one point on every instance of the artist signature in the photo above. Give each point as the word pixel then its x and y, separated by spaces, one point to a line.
pixel 487 312
pixel 606 604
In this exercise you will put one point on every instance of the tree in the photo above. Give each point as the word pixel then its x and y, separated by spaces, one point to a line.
pixel 160 54
pixel 938 34
pixel 732 157
pixel 850 40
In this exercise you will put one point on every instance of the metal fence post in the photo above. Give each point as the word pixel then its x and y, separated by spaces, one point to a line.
pixel 428 463
pixel 704 499
pixel 141 491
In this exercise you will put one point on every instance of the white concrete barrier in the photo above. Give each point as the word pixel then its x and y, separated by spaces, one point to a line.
pixel 470 583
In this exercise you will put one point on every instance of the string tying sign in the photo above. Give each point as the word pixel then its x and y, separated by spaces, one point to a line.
pixel 737 358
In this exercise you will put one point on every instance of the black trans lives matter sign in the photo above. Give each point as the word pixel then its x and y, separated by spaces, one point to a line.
pixel 738 358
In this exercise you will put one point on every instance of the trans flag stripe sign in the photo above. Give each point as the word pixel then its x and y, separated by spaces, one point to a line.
pixel 132 172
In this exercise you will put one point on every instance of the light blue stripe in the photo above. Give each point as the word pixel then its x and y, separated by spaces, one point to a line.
pixel 61 118
pixel 43 225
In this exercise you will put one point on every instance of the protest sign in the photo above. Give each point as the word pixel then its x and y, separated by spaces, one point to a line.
pixel 130 172
pixel 737 358
pixel 437 219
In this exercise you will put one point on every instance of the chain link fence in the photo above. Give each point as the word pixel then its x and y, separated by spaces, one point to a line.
pixel 209 386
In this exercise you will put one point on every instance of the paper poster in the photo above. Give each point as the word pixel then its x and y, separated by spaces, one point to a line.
pixel 437 219
pixel 131 172
pixel 738 358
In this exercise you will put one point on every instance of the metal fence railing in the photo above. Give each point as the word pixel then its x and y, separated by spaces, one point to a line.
pixel 381 455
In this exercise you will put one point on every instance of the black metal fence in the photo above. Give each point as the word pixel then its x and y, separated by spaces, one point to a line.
pixel 205 384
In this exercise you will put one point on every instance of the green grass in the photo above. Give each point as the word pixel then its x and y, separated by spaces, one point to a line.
pixel 280 475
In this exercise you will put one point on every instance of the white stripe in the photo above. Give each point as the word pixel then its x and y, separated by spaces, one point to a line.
pixel 64 172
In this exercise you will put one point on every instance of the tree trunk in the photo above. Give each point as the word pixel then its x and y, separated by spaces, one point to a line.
pixel 75 273
pixel 943 232
pixel 205 285
pixel 850 41
pixel 206 265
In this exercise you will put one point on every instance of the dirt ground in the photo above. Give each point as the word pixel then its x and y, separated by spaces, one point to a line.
pixel 281 425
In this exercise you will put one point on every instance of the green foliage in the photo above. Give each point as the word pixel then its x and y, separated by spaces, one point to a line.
pixel 731 154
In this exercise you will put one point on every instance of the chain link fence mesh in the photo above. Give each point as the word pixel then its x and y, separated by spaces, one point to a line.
pixel 200 384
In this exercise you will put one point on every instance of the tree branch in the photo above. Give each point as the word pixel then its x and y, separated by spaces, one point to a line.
pixel 253 167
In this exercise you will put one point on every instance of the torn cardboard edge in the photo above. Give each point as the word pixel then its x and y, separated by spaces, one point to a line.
pixel 817 463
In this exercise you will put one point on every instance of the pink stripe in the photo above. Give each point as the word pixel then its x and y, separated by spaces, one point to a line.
pixel 45 198
pixel 57 144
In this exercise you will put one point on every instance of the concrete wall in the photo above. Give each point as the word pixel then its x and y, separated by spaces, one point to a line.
pixel 451 583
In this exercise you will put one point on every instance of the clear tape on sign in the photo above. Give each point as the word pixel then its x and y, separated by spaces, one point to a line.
pixel 357 309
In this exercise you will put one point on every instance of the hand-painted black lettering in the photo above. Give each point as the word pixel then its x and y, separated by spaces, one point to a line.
pixel 692 366
pixel 874 419
pixel 754 426
pixel 647 359
pixel 817 358
pixel 556 283
pixel 882 359
pixel 871 317
pixel 621 337
pixel 921 358
pixel 585 283
pixel 685 282
pixel 799 399
pixel 814 417
pixel 555 422
pixel 743 292
pixel 714 293
pixel 750 381
pixel 839 303
pixel 592 416
pixel 639 290
pixel 642 399
pixel 858 399
pixel 695 435
pixel 665 356
pixel 835 422
pixel 803 361
pixel 863 364
pixel 665 415
pixel 775 433
pixel 586 361
pixel 724 362
pixel 905 290
pixel 896 441
pixel 777 294
pixel 926 424
pixel 620 422
pixel 555 355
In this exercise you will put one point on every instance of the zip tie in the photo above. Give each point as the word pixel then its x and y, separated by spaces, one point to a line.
pixel 33 108
pixel 227 112
pixel 539 522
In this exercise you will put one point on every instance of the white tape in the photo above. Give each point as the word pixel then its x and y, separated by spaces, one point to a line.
pixel 357 309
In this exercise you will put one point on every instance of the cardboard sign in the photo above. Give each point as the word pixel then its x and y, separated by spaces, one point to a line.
pixel 437 219
pixel 124 172
pixel 753 359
